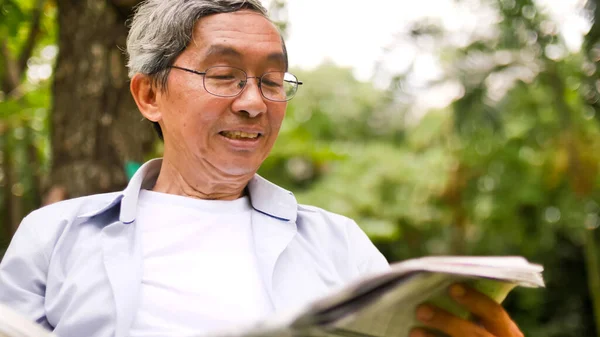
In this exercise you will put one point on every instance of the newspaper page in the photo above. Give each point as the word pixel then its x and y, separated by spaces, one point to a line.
pixel 384 304
pixel 13 324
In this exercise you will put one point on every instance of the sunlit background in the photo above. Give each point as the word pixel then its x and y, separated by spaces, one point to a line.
pixel 440 126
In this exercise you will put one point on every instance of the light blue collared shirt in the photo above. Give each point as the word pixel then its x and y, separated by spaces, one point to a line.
pixel 76 266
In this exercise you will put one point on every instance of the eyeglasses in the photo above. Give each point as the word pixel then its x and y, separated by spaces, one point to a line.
pixel 224 81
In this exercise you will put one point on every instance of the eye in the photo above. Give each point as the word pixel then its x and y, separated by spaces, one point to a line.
pixel 224 74
pixel 273 79
pixel 271 83
pixel 223 77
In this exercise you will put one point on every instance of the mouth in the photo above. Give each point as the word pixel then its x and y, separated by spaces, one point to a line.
pixel 240 135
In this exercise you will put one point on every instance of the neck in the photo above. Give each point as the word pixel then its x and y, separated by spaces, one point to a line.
pixel 200 183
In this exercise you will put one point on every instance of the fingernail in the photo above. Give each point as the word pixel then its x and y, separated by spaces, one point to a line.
pixel 425 313
pixel 417 333
pixel 457 291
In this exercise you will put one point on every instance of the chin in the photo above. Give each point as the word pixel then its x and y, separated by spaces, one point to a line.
pixel 239 170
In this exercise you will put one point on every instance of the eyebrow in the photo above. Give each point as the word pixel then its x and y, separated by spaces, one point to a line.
pixel 221 50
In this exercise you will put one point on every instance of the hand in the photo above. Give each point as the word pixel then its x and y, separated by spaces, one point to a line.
pixel 494 321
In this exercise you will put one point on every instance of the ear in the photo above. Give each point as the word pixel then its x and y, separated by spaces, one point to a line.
pixel 145 96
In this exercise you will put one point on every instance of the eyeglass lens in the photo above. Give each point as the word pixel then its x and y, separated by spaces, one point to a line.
pixel 229 81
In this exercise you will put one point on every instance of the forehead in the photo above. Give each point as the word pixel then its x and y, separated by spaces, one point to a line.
pixel 242 34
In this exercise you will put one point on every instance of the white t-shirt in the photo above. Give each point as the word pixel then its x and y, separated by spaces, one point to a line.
pixel 199 267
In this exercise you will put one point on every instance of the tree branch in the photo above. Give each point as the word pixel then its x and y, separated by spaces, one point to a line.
pixel 31 38
pixel 10 81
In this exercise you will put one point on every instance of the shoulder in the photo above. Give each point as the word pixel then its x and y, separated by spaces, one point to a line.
pixel 316 216
pixel 72 208
pixel 38 233
pixel 329 225
pixel 49 221
pixel 343 236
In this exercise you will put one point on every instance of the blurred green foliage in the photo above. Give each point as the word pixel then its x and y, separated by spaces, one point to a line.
pixel 510 167
pixel 27 52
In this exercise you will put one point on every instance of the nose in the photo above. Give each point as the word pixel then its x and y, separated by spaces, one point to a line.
pixel 250 100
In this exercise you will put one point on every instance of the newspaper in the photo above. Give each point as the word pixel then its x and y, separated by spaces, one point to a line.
pixel 384 304
pixel 13 324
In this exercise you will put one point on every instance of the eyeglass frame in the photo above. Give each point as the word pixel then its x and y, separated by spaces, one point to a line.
pixel 298 83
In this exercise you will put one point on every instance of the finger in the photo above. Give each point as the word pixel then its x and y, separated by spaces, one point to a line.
pixel 491 314
pixel 418 332
pixel 442 320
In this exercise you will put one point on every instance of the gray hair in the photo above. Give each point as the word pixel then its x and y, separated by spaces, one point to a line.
pixel 161 30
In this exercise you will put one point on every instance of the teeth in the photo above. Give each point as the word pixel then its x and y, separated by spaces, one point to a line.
pixel 239 134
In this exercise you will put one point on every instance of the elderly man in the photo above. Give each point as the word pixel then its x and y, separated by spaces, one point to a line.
pixel 197 241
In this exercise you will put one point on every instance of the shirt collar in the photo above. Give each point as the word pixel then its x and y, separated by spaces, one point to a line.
pixel 265 196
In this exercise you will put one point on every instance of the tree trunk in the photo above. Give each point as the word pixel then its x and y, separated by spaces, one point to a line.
pixel 96 126
pixel 593 271
pixel 34 168
pixel 7 169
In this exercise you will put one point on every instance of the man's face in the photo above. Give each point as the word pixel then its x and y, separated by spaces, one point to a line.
pixel 202 131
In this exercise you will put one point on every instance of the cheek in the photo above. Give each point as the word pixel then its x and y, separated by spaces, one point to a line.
pixel 276 116
pixel 200 113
